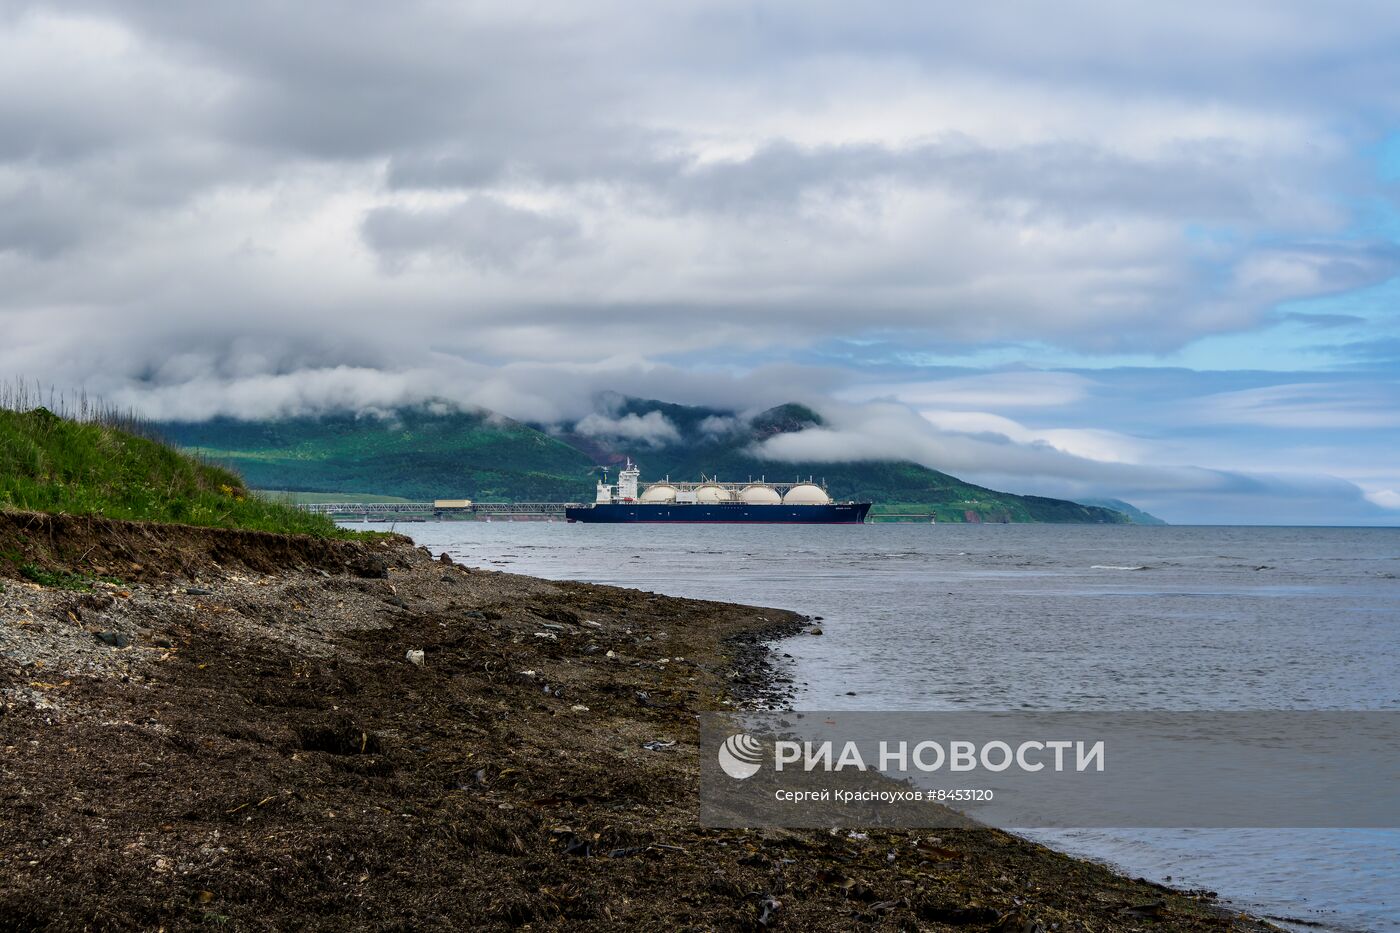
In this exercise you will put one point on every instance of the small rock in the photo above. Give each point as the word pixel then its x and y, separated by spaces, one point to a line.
pixel 372 568
pixel 815 631
pixel 656 745
pixel 580 846
pixel 161 642
pixel 767 909
pixel 323 573
pixel 415 656
pixel 398 601
pixel 114 639
pixel 1155 909
pixel 198 591
pixel 579 708
pixel 444 559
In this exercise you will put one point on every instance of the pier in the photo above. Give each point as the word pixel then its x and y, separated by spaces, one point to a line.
pixel 384 511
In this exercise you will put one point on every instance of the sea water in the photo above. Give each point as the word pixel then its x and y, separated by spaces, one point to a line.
pixel 1055 617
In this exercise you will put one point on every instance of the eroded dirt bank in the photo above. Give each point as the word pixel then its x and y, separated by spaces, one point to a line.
pixel 233 735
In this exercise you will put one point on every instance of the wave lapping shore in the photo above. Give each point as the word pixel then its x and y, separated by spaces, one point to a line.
pixel 208 727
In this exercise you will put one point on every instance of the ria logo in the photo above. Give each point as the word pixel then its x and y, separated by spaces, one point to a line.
pixel 740 756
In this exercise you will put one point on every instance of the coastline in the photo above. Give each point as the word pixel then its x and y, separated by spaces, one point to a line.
pixel 233 732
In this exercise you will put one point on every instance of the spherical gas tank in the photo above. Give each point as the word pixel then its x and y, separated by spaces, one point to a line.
pixel 806 494
pixel 659 492
pixel 758 494
pixel 709 492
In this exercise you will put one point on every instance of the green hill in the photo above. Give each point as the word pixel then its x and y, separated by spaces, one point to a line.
pixel 416 454
pixel 428 453
pixel 53 464
pixel 1138 516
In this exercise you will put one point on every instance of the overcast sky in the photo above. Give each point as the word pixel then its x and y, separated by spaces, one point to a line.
pixel 1146 251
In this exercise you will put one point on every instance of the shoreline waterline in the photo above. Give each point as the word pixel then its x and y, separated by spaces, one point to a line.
pixel 958 590
pixel 291 731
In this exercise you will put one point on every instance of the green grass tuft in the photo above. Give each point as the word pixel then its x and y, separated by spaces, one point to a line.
pixel 54 464
pixel 58 579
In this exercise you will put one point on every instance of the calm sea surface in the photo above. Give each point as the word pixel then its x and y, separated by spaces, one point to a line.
pixel 1055 617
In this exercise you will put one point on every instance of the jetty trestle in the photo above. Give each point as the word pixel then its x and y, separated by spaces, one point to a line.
pixel 434 509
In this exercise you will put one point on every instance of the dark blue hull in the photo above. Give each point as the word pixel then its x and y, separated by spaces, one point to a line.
pixel 735 513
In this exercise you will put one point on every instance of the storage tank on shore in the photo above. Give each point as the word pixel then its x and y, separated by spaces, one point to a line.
pixel 806 494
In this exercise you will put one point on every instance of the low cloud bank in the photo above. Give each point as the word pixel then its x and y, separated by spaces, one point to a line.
pixel 961 437
pixel 1178 493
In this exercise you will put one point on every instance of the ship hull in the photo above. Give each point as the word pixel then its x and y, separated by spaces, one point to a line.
pixel 719 513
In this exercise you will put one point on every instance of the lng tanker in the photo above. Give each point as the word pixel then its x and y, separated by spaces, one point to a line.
pixel 710 501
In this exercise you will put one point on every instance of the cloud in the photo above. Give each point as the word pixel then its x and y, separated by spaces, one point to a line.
pixel 236 209
pixel 1386 499
pixel 37 225
pixel 1377 349
pixel 1089 443
pixel 886 430
pixel 653 428
pixel 1307 406
pixel 781 179
pixel 719 425
pixel 1180 493
pixel 1028 389
pixel 1321 321
pixel 195 386
pixel 479 230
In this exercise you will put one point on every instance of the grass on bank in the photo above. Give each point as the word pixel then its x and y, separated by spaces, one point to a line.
pixel 86 467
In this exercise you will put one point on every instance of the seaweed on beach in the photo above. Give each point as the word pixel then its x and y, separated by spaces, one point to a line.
pixel 293 733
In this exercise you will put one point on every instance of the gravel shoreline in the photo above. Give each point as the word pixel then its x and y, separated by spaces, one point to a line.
pixel 239 730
